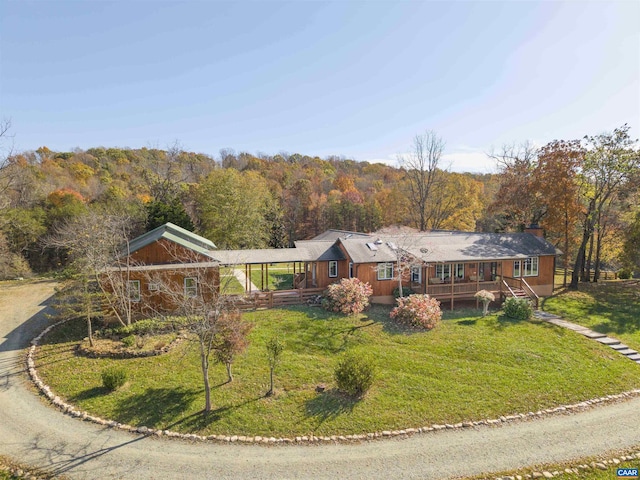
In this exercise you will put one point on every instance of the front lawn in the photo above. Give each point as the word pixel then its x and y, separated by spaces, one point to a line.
pixel 612 308
pixel 467 368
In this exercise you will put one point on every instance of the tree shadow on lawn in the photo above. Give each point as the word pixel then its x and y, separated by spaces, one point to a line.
pixel 155 406
pixel 329 405
pixel 201 420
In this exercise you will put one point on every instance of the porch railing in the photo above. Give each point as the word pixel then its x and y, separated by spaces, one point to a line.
pixel 521 284
pixel 276 298
pixel 467 289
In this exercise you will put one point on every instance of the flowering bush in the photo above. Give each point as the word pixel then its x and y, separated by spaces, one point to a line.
pixel 487 297
pixel 417 311
pixel 349 296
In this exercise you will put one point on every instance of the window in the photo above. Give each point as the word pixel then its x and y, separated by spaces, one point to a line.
pixel 153 287
pixel 190 287
pixel 333 268
pixel 526 268
pixel 133 288
pixel 443 271
pixel 416 274
pixel 459 270
pixel 350 269
pixel 385 271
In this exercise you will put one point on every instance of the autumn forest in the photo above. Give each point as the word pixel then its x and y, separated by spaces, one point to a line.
pixel 585 194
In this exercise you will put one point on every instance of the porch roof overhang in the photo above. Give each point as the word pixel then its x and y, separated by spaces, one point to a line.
pixel 318 251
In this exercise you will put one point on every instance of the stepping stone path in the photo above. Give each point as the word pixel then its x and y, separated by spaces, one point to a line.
pixel 614 343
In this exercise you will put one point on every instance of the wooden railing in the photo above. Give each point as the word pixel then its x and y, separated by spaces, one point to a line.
pixel 465 289
pixel 521 284
pixel 276 298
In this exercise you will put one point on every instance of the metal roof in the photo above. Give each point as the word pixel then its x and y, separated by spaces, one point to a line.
pixel 262 255
pixel 176 234
pixel 333 235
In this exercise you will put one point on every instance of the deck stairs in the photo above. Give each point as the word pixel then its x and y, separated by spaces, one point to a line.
pixel 523 291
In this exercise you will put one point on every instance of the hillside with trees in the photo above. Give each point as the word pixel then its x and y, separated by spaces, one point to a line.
pixel 584 193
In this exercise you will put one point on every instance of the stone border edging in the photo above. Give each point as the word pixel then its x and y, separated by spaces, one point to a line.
pixel 303 439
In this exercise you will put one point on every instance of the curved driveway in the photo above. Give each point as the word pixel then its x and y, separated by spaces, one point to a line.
pixel 33 433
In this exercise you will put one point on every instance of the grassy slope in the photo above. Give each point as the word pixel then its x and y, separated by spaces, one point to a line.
pixel 608 307
pixel 467 368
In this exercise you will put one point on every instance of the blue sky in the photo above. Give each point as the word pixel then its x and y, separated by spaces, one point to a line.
pixel 358 79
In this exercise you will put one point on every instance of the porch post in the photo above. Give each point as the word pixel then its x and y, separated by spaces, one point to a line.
pixel 451 272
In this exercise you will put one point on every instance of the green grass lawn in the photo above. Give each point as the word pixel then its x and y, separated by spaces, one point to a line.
pixel 467 368
pixel 280 277
pixel 607 307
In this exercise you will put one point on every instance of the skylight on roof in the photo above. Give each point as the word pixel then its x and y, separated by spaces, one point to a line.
pixel 372 246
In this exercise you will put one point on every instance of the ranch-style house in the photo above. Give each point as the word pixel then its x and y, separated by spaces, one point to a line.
pixel 448 265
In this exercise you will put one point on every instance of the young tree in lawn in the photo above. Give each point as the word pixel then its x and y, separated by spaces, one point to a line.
pixel 80 297
pixel 191 288
pixel 230 339
pixel 274 347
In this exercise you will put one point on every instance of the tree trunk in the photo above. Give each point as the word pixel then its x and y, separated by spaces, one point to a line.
pixel 587 232
pixel 601 233
pixel 204 363
pixel 270 392
pixel 586 276
pixel 89 329
pixel 580 256
pixel 566 247
pixel 229 373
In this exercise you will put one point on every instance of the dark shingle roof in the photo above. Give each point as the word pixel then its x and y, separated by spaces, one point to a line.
pixel 321 250
pixel 473 246
pixel 368 250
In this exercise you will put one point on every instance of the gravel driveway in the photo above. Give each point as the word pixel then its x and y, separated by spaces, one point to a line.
pixel 35 434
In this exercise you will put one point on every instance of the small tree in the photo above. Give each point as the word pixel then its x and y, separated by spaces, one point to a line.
pixel 230 339
pixel 98 244
pixel 274 351
pixel 417 311
pixel 81 298
pixel 350 296
pixel 487 297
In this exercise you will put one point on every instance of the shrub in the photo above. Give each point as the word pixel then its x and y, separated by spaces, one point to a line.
pixel 129 341
pixel 417 311
pixel 354 374
pixel 114 377
pixel 625 273
pixel 350 296
pixel 517 308
pixel 406 291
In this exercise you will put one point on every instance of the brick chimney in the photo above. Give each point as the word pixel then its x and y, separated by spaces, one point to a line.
pixel 534 229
